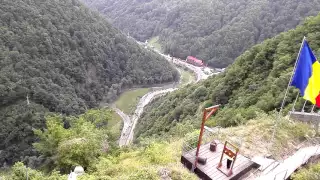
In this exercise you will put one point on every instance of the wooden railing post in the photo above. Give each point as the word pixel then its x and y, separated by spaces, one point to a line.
pixel 200 138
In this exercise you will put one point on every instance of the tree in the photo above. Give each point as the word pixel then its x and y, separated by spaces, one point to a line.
pixel 67 59
pixel 253 84
pixel 217 31
pixel 81 144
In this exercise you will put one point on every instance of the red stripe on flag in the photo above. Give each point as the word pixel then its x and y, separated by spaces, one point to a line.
pixel 318 101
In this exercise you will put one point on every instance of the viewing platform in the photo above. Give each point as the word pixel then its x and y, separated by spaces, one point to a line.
pixel 209 170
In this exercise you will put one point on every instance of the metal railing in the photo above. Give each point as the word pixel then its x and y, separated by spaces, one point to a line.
pixel 190 143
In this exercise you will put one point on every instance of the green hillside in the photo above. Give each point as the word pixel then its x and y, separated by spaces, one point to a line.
pixel 256 82
pixel 63 58
pixel 217 31
pixel 89 142
pixel 311 172
pixel 153 159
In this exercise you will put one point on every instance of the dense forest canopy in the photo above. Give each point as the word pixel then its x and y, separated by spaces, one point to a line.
pixel 59 56
pixel 256 82
pixel 216 31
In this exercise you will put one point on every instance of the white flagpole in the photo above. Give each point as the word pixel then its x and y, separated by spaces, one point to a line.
pixel 304 105
pixel 285 95
pixel 295 101
pixel 312 110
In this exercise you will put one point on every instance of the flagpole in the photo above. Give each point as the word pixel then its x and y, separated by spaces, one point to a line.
pixel 304 105
pixel 285 95
pixel 295 101
pixel 313 108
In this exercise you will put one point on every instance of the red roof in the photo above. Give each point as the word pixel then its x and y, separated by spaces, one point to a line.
pixel 195 60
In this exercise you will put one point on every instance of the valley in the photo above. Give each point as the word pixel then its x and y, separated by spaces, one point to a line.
pixel 217 31
pixel 122 88
pixel 131 119
pixel 53 60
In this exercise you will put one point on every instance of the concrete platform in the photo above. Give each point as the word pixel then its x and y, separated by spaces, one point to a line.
pixel 305 117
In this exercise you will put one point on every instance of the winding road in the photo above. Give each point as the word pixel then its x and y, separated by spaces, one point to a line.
pixel 129 122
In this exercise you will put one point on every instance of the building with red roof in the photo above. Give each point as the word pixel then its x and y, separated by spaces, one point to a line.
pixel 194 61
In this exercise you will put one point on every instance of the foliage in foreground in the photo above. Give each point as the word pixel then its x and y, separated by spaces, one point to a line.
pixel 255 83
pixel 155 161
pixel 72 141
pixel 20 172
pixel 312 172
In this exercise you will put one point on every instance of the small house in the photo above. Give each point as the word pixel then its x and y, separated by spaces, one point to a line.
pixel 194 61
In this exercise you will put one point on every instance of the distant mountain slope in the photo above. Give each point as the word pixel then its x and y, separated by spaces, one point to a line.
pixel 64 58
pixel 216 31
pixel 255 82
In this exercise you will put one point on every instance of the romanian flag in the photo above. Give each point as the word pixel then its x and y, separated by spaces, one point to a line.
pixel 307 75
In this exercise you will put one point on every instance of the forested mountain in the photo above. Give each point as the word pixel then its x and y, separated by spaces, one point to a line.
pixel 216 31
pixel 256 82
pixel 59 56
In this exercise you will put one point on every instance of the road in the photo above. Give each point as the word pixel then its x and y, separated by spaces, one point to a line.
pixel 129 122
pixel 199 71
pixel 126 126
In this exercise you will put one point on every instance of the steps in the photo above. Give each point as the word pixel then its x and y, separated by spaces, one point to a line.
pixel 288 166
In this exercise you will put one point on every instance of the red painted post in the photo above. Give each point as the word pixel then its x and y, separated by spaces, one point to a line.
pixel 200 138
pixel 212 110
pixel 220 162
pixel 234 161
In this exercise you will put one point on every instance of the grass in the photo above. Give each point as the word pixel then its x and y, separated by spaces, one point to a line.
pixel 255 137
pixel 115 120
pixel 144 163
pixel 186 77
pixel 5 174
pixel 312 171
pixel 115 125
pixel 155 43
pixel 128 101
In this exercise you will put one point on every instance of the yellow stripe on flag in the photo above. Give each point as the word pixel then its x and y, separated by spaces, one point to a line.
pixel 313 88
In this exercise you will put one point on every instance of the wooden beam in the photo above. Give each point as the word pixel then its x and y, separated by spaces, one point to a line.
pixel 205 117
